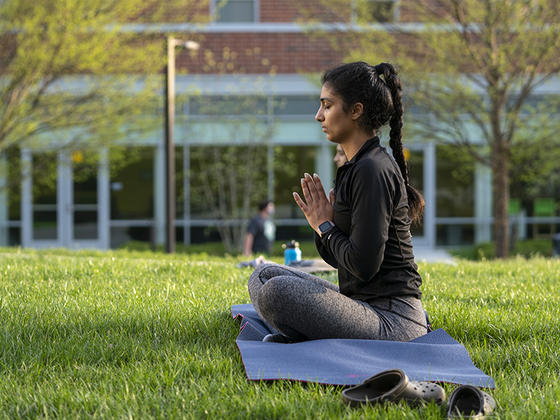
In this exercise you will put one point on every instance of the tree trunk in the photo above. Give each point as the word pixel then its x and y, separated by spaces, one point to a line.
pixel 500 174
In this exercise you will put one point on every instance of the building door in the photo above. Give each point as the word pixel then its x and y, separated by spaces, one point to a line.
pixel 64 200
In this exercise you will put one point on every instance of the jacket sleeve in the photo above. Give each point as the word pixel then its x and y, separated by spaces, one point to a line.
pixel 324 252
pixel 361 252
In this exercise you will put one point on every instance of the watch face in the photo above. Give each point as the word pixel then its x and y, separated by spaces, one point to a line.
pixel 325 226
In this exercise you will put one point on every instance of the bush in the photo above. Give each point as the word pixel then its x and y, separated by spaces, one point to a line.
pixel 527 248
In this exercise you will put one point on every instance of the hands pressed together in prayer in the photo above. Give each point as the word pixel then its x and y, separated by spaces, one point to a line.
pixel 317 208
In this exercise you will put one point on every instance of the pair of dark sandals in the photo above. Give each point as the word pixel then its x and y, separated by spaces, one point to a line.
pixel 394 386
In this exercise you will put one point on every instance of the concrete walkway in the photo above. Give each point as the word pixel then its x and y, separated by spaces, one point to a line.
pixel 432 255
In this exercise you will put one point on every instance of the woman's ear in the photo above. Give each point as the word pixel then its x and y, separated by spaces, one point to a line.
pixel 357 110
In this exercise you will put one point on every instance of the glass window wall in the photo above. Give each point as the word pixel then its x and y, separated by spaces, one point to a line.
pixel 455 234
pixel 290 163
pixel 455 182
pixel 13 156
pixel 226 180
pixel 85 195
pixel 224 105
pixel 13 195
pixel 132 183
pixel 415 164
pixel 303 105
pixel 454 194
pixel 44 196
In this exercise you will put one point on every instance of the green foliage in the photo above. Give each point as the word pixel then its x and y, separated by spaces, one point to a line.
pixel 527 248
pixel 72 77
pixel 536 151
pixel 469 72
pixel 144 335
pixel 485 60
pixel 455 187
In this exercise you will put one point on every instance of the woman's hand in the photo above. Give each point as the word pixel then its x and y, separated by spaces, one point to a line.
pixel 317 208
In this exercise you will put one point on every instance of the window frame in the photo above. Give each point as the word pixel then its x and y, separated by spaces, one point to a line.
pixel 256 14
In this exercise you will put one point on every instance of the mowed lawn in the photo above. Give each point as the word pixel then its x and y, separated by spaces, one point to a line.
pixel 142 335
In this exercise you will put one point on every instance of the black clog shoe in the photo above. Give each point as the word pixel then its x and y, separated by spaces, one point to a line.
pixel 393 386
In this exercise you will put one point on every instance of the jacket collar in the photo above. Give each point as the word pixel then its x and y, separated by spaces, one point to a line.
pixel 366 147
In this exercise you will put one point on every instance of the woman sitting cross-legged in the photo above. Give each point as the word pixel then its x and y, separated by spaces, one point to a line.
pixel 362 228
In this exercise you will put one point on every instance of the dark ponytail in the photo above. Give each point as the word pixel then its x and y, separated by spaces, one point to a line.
pixel 379 90
pixel 389 74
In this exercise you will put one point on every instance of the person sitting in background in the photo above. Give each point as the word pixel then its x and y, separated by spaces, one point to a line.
pixel 339 158
pixel 260 231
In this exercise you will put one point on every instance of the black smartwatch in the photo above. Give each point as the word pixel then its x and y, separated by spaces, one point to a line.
pixel 325 227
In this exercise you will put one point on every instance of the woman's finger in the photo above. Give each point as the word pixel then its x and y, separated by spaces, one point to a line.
pixel 332 197
pixel 312 188
pixel 306 192
pixel 300 202
pixel 319 186
pixel 318 182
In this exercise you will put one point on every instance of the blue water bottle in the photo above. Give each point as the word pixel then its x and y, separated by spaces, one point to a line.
pixel 291 252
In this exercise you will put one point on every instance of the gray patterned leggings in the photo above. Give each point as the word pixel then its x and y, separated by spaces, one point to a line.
pixel 303 306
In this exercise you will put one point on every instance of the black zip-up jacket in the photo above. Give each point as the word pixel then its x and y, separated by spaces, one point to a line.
pixel 370 243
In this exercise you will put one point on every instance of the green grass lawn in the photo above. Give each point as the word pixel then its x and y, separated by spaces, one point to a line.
pixel 141 335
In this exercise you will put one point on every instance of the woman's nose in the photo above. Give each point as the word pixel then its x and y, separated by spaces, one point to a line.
pixel 319 115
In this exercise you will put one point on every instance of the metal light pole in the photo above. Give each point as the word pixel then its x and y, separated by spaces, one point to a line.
pixel 169 143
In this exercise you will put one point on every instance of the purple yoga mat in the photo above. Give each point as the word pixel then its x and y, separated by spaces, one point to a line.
pixel 435 356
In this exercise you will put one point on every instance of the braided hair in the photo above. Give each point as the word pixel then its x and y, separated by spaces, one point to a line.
pixel 379 90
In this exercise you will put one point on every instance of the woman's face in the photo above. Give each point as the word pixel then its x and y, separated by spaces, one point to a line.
pixel 336 123
pixel 339 157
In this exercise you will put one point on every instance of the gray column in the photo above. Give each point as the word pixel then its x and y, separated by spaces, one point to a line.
pixel 324 165
pixel 26 198
pixel 187 194
pixel 103 200
pixel 3 200
pixel 64 200
pixel 159 194
pixel 482 203
pixel 522 225
pixel 429 169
